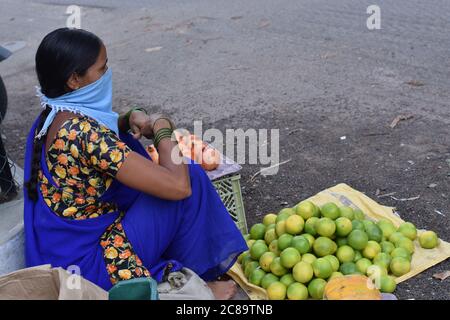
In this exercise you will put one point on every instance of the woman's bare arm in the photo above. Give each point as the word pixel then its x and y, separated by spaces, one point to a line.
pixel 168 180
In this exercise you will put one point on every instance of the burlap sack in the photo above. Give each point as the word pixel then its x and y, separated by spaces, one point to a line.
pixel 47 283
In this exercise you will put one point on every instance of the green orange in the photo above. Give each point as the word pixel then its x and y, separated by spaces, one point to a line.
pixel 330 210
pixel 257 231
pixel 303 272
pixel 316 288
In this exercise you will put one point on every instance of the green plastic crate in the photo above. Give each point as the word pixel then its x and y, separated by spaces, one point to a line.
pixel 229 190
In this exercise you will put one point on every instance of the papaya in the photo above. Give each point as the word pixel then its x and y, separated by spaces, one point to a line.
pixel 351 287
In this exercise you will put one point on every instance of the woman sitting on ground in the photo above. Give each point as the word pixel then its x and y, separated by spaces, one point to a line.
pixel 93 197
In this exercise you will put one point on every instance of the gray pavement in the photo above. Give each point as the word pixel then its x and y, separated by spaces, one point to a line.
pixel 310 66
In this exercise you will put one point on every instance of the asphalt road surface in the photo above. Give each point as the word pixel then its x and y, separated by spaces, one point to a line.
pixel 312 69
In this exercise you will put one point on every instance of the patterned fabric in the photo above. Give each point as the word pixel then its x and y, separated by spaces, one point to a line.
pixel 121 262
pixel 83 161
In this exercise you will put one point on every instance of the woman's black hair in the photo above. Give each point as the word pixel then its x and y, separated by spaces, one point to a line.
pixel 62 52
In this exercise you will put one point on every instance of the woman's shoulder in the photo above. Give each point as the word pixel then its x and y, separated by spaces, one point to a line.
pixel 84 124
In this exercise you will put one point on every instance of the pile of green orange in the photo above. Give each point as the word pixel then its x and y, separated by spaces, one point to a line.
pixel 294 253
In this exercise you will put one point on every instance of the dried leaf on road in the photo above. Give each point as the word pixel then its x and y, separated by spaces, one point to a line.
pixel 400 118
pixel 386 195
pixel 415 83
pixel 264 23
pixel 405 199
pixel 442 276
pixel 268 168
pixel 153 49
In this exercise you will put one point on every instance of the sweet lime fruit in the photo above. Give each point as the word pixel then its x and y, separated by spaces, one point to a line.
pixel 345 254
pixel 310 226
pixel 363 264
pixel 341 241
pixel 249 267
pixel 383 259
pixel 258 249
pixel 287 279
pixel 387 284
pixel 348 268
pixel 294 224
pixel 273 247
pixel 371 250
pixel 335 274
pixel 301 244
pixel 407 244
pixel 277 268
pixel 387 247
pixel 268 279
pixel 401 252
pixel 396 236
pixel 289 257
pixel 358 225
pixel 266 259
pixel 322 268
pixel 333 261
pixel 257 231
pixel 270 236
pixel 324 246
pixel 400 266
pixel 297 291
pixel 347 212
pixel 374 233
pixel 256 276
pixel 276 291
pixel 358 239
pixel 359 215
pixel 310 238
pixel 308 258
pixel 428 240
pixel 325 227
pixel 330 210
pixel 343 226
pixel 387 227
pixel 316 288
pixel 408 230
pixel 280 228
pixel 269 219
pixel 284 241
pixel 303 272
pixel 305 209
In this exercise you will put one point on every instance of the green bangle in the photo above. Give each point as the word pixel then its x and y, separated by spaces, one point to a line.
pixel 160 138
pixel 161 134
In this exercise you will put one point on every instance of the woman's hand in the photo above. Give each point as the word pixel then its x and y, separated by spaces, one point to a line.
pixel 142 124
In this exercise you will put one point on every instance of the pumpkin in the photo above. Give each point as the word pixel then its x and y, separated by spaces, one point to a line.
pixel 153 153
pixel 351 287
pixel 210 159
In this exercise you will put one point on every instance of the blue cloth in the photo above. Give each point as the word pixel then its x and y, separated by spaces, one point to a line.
pixel 196 232
pixel 93 100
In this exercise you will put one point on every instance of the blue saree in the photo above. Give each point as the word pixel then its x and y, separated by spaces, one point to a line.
pixel 196 232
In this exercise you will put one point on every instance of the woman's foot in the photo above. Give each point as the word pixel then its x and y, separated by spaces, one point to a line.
pixel 223 290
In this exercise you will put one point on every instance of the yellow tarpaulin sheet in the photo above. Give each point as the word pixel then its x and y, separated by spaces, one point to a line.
pixel 341 195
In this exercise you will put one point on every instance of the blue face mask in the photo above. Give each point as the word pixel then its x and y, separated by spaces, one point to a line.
pixel 93 100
